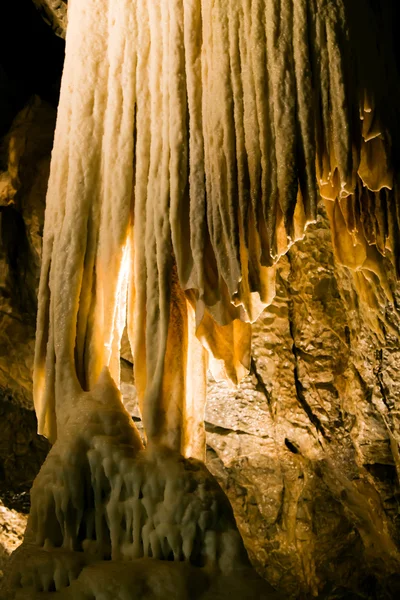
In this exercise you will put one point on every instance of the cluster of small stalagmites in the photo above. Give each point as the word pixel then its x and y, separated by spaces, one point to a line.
pixel 43 570
pixel 101 497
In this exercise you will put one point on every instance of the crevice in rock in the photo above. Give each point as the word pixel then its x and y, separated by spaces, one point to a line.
pixel 260 386
pixel 366 389
pixel 379 379
pixel 217 429
pixel 314 419
pixel 301 397
pixel 298 355
pixel 280 514
pixel 291 446
pixel 126 362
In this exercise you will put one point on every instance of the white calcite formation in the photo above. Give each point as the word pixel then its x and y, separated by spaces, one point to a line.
pixel 192 142
pixel 102 506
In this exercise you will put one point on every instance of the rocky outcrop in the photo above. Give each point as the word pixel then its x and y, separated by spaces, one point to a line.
pixel 12 527
pixel 307 447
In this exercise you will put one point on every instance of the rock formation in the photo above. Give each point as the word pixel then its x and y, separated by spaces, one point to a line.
pixel 307 448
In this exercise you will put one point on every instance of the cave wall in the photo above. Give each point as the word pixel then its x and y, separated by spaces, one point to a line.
pixel 307 447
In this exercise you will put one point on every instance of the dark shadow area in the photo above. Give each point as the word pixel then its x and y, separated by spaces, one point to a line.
pixel 31 59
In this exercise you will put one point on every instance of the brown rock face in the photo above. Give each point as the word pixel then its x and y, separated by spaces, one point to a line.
pixel 306 448
pixel 54 13
pixel 12 527
pixel 26 167
pixel 26 170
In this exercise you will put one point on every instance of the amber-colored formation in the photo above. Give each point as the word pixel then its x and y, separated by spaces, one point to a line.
pixel 191 141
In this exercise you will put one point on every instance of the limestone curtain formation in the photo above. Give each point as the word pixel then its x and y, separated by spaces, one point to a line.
pixel 194 138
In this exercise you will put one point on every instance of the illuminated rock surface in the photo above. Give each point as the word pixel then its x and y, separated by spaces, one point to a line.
pixel 12 529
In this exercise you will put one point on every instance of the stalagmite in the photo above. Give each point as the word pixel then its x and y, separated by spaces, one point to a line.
pixel 102 506
pixel 193 141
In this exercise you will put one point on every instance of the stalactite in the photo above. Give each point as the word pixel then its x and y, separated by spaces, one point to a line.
pixel 192 143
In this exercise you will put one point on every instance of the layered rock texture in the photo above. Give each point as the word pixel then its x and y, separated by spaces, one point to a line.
pixel 306 447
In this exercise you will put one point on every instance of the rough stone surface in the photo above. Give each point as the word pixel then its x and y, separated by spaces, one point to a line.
pixel 24 165
pixel 54 13
pixel 25 172
pixel 22 452
pixel 307 447
pixel 12 527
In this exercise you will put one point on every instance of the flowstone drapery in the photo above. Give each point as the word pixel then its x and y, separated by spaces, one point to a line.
pixel 193 140
pixel 189 141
